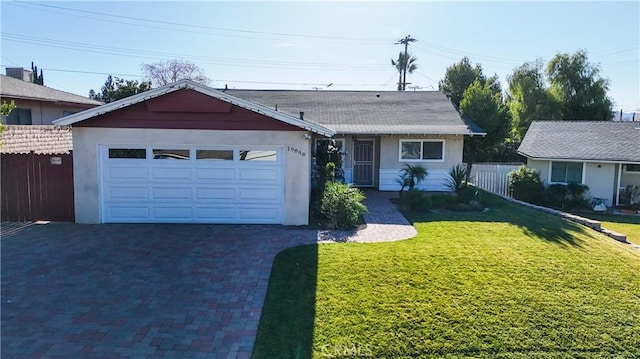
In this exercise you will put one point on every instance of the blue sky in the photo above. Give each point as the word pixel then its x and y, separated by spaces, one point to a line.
pixel 307 45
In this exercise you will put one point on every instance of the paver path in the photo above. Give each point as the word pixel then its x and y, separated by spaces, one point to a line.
pixel 149 291
pixel 384 222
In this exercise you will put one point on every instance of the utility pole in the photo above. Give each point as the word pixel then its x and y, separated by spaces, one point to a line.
pixel 405 41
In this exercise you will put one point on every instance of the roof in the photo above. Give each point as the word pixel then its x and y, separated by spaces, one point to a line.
pixel 19 89
pixel 188 84
pixel 369 112
pixel 39 139
pixel 582 140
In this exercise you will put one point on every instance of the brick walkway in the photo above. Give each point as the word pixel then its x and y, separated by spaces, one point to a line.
pixel 149 291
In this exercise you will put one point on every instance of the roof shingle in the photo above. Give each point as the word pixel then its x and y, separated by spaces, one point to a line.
pixel 368 112
pixel 582 140
pixel 19 89
pixel 39 139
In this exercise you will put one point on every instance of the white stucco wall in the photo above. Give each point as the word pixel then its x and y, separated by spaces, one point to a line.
pixel 86 142
pixel 599 177
pixel 438 171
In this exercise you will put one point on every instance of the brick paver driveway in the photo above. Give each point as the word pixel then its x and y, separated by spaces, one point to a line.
pixel 137 291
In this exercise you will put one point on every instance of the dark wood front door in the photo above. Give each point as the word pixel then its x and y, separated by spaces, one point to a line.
pixel 363 163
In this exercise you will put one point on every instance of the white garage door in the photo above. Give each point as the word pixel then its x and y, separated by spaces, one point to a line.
pixel 169 184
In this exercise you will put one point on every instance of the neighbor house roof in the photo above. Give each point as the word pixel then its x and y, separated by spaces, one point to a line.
pixel 582 140
pixel 19 89
pixel 369 112
pixel 39 139
pixel 188 84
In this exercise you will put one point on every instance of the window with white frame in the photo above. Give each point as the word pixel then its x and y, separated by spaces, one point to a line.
pixel 632 168
pixel 566 172
pixel 422 150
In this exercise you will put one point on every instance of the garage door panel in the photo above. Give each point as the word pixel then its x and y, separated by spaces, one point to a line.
pixel 222 214
pixel 259 194
pixel 215 193
pixel 115 192
pixel 173 213
pixel 171 193
pixel 124 173
pixel 260 174
pixel 171 173
pixel 118 213
pixel 228 174
pixel 258 214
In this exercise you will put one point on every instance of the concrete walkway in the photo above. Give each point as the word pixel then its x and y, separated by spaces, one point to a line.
pixel 384 223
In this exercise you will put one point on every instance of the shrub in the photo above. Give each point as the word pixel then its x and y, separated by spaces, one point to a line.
pixel 525 184
pixel 415 200
pixel 441 200
pixel 410 176
pixel 342 205
pixel 457 178
pixel 569 196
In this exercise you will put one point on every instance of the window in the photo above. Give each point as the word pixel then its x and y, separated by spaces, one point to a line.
pixel 19 116
pixel 566 172
pixel 422 150
pixel 170 154
pixel 129 153
pixel 216 155
pixel 629 168
pixel 258 155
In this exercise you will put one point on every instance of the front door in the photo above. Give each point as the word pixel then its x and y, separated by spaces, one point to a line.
pixel 363 163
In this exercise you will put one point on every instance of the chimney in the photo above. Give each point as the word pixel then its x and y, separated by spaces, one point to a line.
pixel 20 73
pixel 302 115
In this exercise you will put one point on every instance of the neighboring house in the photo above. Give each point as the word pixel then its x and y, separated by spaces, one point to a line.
pixel 187 153
pixel 37 173
pixel 37 104
pixel 380 132
pixel 605 156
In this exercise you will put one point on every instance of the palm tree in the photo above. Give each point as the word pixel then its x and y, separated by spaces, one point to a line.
pixel 405 63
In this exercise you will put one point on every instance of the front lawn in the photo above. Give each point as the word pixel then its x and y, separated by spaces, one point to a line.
pixel 511 282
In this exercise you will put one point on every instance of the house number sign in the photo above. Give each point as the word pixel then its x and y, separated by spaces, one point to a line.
pixel 296 151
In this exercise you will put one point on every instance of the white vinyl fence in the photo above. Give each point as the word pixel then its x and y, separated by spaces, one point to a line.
pixel 493 177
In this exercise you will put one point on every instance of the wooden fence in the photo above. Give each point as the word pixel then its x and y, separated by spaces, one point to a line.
pixel 36 187
pixel 493 177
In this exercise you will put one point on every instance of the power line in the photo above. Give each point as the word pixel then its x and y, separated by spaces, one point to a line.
pixel 205 27
pixel 146 54
pixel 405 41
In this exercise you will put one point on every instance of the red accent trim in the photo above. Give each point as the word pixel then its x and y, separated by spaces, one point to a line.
pixel 177 110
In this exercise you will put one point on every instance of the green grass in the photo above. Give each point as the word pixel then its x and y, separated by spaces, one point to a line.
pixel 511 282
pixel 625 224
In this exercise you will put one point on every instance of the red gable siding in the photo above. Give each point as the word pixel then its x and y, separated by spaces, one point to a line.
pixel 187 109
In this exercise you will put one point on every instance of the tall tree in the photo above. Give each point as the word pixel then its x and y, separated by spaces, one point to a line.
pixel 458 78
pixel 404 61
pixel 577 86
pixel 528 98
pixel 169 71
pixel 115 88
pixel 484 106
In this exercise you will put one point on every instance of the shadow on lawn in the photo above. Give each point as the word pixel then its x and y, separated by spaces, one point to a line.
pixel 286 325
pixel 534 223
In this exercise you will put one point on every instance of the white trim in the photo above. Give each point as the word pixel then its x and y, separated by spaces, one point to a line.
pixel 188 84
pixel 400 141
pixel 575 160
pixel 619 182
pixel 584 172
pixel 624 165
